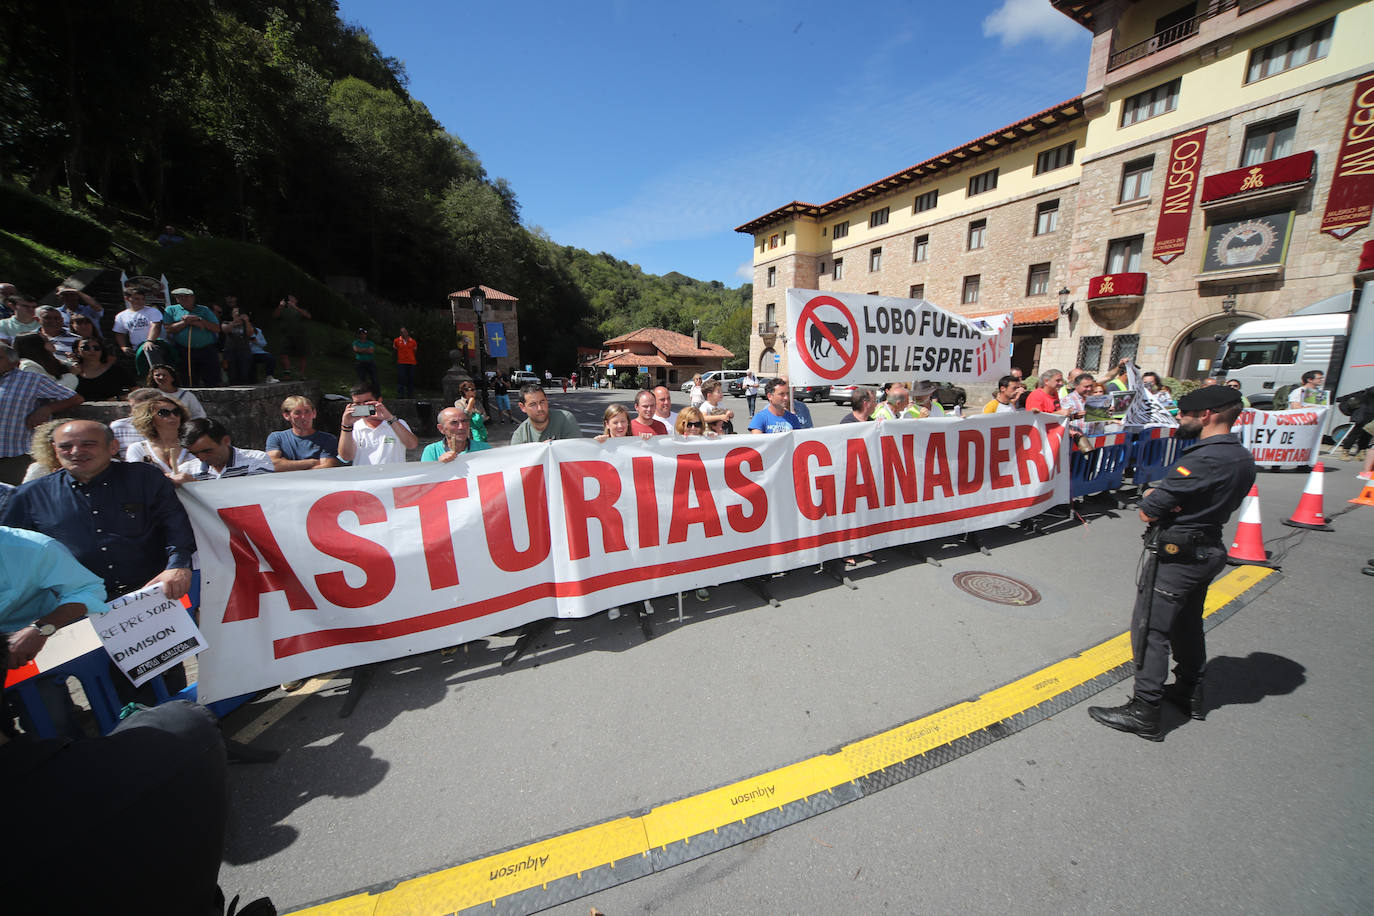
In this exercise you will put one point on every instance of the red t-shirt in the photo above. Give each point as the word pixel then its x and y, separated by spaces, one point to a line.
pixel 405 350
pixel 652 428
pixel 1042 400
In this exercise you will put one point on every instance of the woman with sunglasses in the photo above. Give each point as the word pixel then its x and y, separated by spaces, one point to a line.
pixel 164 378
pixel 159 421
pixel 689 423
pixel 99 376
pixel 467 399
pixel 615 423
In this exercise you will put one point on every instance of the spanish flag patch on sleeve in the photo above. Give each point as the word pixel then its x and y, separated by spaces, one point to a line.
pixel 1184 472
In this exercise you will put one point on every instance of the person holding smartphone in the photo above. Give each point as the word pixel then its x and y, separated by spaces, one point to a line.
pixel 370 433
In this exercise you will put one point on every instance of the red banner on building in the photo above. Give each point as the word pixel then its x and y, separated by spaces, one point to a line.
pixel 1352 187
pixel 1180 187
pixel 1110 285
pixel 1272 174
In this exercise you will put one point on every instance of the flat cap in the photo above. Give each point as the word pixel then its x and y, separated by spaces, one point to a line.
pixel 1214 398
pixel 182 291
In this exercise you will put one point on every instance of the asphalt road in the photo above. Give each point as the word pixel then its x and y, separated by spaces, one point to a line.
pixel 1264 808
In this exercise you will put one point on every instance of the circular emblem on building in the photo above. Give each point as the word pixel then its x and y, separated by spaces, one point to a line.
pixel 1245 243
pixel 997 588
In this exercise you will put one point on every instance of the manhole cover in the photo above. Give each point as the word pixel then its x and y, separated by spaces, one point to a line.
pixel 997 588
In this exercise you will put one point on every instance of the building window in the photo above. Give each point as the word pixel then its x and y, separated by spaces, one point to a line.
pixel 1135 179
pixel 1150 103
pixel 1046 216
pixel 875 259
pixel 841 230
pixel 1038 279
pixel 770 315
pixel 1056 158
pixel 921 249
pixel 970 296
pixel 772 276
pixel 1123 255
pixel 1090 354
pixel 983 181
pixel 773 241
pixel 977 234
pixel 918 291
pixel 877 218
pixel 926 201
pixel 1287 53
pixel 1124 346
pixel 1269 140
pixel 838 272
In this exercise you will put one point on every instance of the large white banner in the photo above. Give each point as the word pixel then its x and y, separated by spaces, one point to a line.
pixel 1282 438
pixel 846 338
pixel 309 572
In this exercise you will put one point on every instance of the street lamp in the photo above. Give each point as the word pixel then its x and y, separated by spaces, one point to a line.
pixel 1065 306
pixel 479 302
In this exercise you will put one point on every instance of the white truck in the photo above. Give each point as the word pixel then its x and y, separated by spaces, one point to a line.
pixel 1335 336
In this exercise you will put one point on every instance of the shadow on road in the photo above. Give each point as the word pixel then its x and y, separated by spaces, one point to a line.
pixel 1235 681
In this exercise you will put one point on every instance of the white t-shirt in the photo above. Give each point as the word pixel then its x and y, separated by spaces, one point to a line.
pixel 190 402
pixel 143 451
pixel 137 324
pixel 377 445
pixel 669 421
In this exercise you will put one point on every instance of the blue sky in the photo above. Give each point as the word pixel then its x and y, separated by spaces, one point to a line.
pixel 651 130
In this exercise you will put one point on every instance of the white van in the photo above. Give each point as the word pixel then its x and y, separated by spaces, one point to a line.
pixel 1334 336
pixel 724 376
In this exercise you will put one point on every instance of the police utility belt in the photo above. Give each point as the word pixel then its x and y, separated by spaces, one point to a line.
pixel 1182 546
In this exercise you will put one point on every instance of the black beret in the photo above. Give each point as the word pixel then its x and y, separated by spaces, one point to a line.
pixel 1214 397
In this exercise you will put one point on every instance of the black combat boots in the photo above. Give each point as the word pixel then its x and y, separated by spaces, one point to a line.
pixel 1187 697
pixel 1137 717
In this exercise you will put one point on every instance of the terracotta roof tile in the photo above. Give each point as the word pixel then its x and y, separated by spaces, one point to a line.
pixel 670 343
pixel 491 294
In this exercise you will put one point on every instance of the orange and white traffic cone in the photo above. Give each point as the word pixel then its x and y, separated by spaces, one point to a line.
pixel 1247 548
pixel 1366 497
pixel 1308 514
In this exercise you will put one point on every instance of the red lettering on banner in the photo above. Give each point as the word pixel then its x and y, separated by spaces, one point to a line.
pixel 859 479
pixel 1029 452
pixel 1001 454
pixel 249 536
pixel 646 501
pixel 937 466
pixel 323 529
pixel 1054 434
pixel 691 481
pixel 579 509
pixel 972 454
pixel 802 481
pixel 899 468
pixel 750 491
pixel 436 533
pixel 496 519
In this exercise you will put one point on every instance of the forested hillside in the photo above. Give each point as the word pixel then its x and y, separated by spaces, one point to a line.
pixel 277 123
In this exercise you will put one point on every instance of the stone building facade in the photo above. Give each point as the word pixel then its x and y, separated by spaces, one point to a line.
pixel 1265 87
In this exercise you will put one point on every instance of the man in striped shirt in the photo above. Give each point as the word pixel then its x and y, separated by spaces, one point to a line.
pixel 216 456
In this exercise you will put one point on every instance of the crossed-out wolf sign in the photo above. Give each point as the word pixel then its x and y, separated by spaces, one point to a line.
pixel 848 337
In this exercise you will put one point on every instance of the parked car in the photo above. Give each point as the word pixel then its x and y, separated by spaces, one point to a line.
pixel 724 376
pixel 810 392
pixel 735 387
pixel 519 377
pixel 951 396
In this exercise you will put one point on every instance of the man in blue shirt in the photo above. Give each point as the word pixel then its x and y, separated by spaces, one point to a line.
pixel 302 447
pixel 123 522
pixel 42 589
pixel 776 418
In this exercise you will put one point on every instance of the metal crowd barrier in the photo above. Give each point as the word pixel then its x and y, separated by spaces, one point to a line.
pixel 1102 469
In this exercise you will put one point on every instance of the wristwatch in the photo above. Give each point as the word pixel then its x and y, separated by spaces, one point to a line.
pixel 44 629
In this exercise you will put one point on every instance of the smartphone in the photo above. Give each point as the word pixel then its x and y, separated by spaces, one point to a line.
pixel 363 410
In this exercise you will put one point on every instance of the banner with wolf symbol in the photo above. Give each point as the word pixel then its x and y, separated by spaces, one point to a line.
pixel 847 338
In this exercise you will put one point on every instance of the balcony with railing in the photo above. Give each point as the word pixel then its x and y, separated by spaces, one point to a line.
pixel 1168 37
pixel 768 329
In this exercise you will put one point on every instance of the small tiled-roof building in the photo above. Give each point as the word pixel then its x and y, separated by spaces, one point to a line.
pixel 670 357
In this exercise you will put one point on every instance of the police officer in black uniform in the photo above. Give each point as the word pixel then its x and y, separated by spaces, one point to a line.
pixel 1183 553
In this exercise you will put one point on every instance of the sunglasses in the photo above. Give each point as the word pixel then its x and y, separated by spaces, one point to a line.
pixel 165 412
pixel 692 424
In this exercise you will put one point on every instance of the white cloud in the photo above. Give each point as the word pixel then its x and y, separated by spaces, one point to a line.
pixel 745 271
pixel 1016 21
